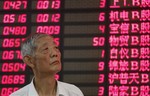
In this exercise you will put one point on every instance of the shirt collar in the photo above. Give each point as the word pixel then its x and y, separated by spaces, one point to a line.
pixel 32 90
pixel 60 89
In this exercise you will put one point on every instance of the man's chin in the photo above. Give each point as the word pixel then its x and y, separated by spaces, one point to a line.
pixel 58 69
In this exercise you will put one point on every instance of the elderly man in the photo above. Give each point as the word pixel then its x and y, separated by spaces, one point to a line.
pixel 42 55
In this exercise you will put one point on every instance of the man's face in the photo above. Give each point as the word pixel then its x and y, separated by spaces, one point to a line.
pixel 47 57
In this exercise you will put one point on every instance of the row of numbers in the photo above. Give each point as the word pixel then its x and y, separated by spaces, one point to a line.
pixel 13 67
pixel 12 42
pixel 22 18
pixel 7 91
pixel 10 55
pixel 13 79
pixel 17 5
pixel 14 5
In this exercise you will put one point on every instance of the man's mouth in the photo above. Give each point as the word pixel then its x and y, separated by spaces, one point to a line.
pixel 55 62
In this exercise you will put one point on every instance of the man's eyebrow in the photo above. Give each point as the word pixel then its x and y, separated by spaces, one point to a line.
pixel 43 45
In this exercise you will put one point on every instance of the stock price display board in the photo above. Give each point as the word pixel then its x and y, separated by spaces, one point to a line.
pixel 105 44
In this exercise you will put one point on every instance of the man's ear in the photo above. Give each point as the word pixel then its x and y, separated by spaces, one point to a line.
pixel 29 60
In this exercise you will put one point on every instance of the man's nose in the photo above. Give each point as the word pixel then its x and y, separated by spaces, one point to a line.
pixel 54 53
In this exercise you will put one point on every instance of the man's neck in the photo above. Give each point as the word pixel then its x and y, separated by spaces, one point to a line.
pixel 45 86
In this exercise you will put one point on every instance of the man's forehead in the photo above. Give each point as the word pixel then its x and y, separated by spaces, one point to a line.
pixel 46 40
pixel 48 43
pixel 41 39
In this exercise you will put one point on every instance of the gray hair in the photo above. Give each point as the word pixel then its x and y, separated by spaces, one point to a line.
pixel 28 46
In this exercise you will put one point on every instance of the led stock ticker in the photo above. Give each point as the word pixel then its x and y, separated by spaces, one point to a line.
pixel 15 28
pixel 129 48
pixel 104 43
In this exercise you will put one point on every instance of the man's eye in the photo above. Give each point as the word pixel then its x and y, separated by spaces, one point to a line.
pixel 56 47
pixel 46 48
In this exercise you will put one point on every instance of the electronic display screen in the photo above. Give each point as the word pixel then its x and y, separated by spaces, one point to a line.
pixel 105 44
